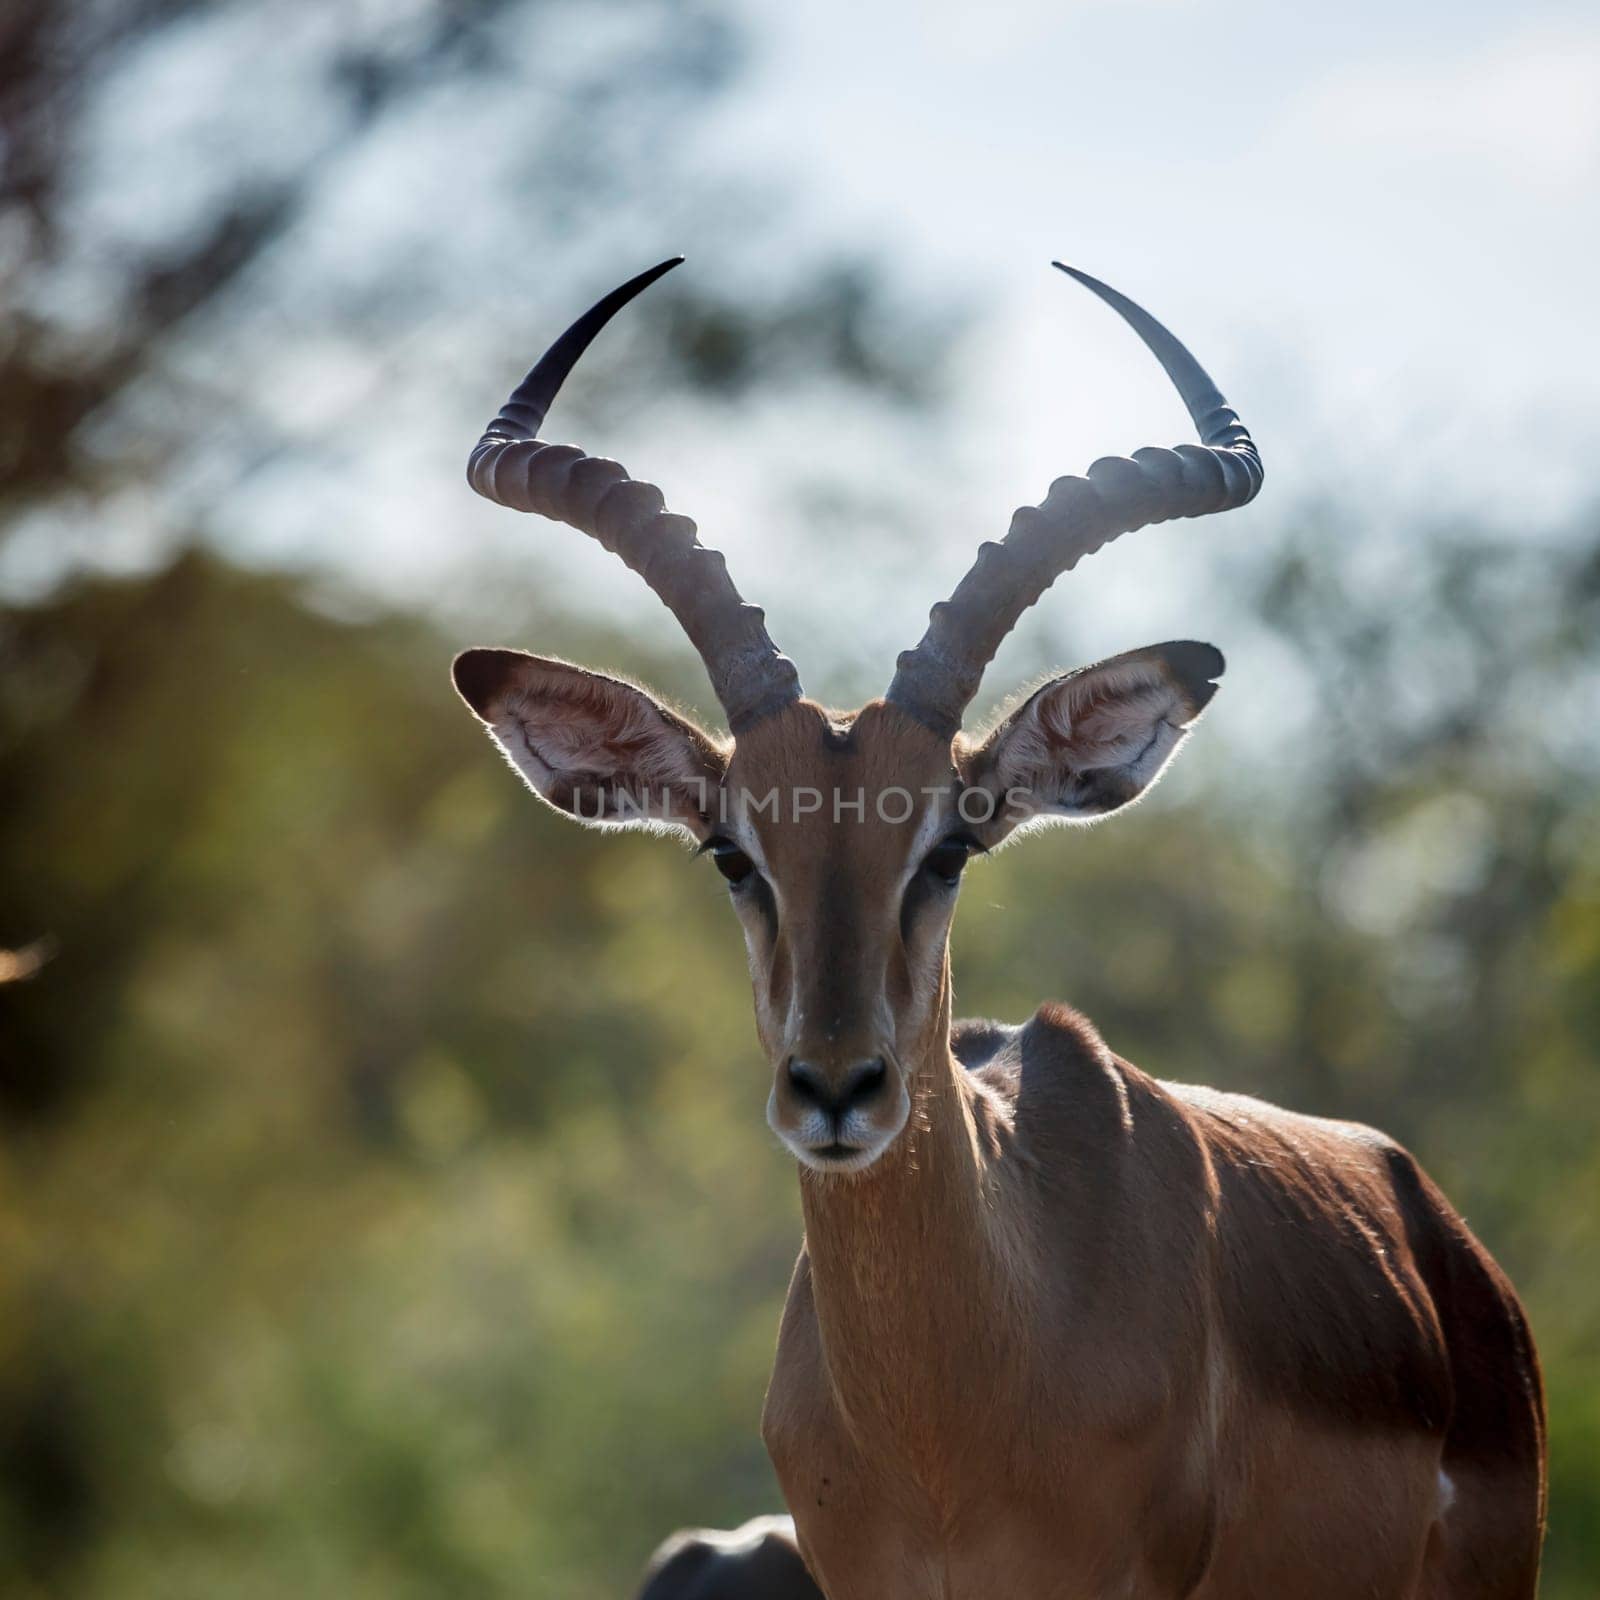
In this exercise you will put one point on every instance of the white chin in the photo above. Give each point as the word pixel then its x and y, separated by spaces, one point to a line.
pixel 860 1158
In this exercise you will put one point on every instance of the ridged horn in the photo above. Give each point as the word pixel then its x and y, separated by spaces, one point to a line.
pixel 937 680
pixel 512 467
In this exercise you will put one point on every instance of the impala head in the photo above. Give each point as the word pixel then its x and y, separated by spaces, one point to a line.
pixel 843 836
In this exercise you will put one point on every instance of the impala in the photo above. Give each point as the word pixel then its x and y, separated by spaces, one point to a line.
pixel 1057 1328
pixel 759 1561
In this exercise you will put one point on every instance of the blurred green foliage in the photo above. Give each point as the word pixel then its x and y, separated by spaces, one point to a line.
pixel 387 1203
pixel 385 1211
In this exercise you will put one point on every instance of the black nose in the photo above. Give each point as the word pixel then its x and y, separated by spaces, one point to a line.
pixel 855 1087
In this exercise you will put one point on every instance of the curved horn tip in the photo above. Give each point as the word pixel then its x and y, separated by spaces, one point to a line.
pixel 1086 279
pixel 1194 384
pixel 522 416
pixel 1114 298
pixel 635 285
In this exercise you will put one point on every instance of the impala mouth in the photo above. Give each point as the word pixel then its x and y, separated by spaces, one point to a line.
pixel 835 1151
pixel 837 1157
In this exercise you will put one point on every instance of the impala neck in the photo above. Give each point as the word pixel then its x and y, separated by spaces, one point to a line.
pixel 902 1253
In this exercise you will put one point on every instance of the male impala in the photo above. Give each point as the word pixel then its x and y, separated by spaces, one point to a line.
pixel 1058 1329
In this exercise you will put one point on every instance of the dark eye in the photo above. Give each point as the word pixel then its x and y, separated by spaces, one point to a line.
pixel 946 860
pixel 730 860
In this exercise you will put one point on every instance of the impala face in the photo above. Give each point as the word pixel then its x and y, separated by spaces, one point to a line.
pixel 843 836
pixel 843 839
pixel 843 849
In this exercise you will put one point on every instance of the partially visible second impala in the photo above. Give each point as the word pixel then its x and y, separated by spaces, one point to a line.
pixel 1058 1328
pixel 759 1561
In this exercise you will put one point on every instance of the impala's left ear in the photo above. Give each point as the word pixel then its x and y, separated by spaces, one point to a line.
pixel 1090 742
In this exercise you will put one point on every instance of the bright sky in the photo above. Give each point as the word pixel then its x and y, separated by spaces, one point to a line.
pixel 1376 225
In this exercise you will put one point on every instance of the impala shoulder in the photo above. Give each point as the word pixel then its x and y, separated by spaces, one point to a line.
pixel 1065 1036
pixel 1072 1093
pixel 1057 1045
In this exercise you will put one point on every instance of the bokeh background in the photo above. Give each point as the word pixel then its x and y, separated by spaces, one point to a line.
pixel 386 1207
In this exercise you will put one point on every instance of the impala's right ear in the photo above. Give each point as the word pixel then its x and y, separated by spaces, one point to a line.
pixel 596 748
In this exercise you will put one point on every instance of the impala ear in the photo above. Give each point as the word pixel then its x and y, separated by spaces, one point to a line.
pixel 1092 741
pixel 600 750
